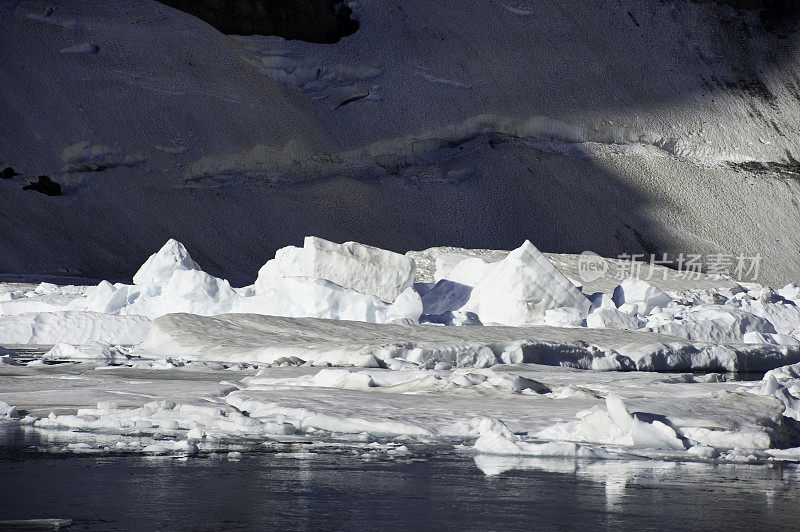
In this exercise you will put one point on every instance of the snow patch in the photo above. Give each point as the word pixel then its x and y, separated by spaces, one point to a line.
pixel 83 48
pixel 86 156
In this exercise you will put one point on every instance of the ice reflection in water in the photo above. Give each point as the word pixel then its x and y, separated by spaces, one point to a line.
pixel 621 479
pixel 337 489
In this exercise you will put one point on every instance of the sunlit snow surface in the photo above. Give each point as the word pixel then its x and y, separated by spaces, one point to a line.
pixel 507 355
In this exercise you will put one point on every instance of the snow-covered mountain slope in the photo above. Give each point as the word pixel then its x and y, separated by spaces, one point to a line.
pixel 632 126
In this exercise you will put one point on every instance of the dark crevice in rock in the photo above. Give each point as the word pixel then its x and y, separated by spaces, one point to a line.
pixel 44 185
pixel 317 21
pixel 351 100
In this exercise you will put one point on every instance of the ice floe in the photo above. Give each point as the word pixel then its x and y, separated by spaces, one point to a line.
pixel 483 349
pixel 355 282
pixel 615 425
pixel 88 351
pixel 72 327
pixel 520 410
pixel 497 443
pixel 260 338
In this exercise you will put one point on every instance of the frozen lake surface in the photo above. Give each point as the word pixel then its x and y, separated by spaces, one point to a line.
pixel 334 490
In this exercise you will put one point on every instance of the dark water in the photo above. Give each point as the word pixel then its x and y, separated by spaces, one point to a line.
pixel 339 491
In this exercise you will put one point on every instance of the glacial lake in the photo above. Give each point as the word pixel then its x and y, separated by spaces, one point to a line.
pixel 336 490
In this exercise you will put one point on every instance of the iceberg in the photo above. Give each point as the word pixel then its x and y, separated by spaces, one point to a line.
pixel 366 269
pixel 520 289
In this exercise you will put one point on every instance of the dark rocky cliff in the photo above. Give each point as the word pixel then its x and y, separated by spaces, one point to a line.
pixel 319 21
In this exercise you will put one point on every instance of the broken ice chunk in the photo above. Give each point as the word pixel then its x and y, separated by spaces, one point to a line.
pixel 521 288
pixel 363 268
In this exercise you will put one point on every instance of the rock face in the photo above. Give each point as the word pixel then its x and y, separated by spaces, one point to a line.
pixel 519 290
pixel 366 269
pixel 318 21
pixel 8 173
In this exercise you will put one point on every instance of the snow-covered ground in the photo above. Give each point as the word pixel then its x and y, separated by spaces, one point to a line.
pixel 495 352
